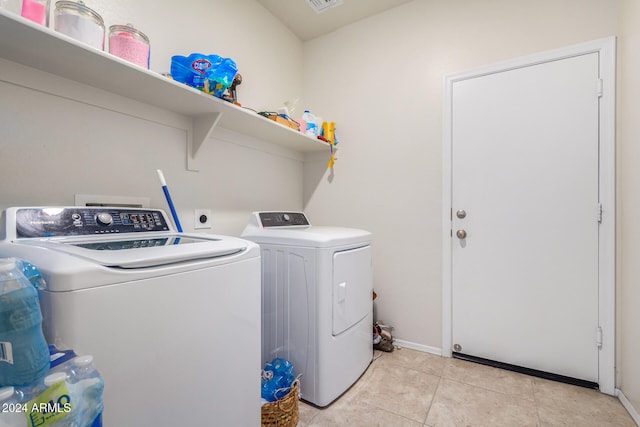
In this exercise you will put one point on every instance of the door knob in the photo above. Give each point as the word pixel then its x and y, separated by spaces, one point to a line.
pixel 461 234
pixel 461 213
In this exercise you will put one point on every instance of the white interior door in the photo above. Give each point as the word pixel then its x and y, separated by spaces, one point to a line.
pixel 525 172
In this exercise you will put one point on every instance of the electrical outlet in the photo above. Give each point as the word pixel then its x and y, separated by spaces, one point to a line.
pixel 202 218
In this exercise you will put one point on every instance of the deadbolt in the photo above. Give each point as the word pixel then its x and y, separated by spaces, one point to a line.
pixel 461 214
pixel 461 234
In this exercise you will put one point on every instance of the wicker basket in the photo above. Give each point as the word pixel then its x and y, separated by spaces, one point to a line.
pixel 283 412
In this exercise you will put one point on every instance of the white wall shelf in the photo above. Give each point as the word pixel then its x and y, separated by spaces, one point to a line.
pixel 42 48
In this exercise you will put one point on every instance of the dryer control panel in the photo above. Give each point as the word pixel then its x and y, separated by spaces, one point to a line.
pixel 283 219
pixel 80 221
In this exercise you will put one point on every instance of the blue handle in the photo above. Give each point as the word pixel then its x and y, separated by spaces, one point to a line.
pixel 173 210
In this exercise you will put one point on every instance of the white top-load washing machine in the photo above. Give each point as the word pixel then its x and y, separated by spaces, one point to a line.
pixel 172 319
pixel 317 301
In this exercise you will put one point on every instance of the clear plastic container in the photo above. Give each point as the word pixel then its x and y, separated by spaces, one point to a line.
pixel 79 22
pixel 130 44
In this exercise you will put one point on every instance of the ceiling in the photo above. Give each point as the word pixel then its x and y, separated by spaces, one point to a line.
pixel 298 16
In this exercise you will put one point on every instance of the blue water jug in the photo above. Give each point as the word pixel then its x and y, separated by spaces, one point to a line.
pixel 24 355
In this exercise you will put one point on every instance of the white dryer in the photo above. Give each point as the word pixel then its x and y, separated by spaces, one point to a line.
pixel 172 319
pixel 317 302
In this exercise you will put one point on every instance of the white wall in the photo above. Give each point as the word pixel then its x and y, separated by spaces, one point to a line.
pixel 266 52
pixel 60 139
pixel 379 79
pixel 383 87
pixel 628 271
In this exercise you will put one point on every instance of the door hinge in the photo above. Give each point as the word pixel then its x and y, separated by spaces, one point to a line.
pixel 599 87
pixel 599 213
pixel 599 337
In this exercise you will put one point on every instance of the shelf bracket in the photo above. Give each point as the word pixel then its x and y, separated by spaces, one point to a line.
pixel 201 128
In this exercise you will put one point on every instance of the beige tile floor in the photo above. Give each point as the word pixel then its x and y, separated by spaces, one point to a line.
pixel 414 389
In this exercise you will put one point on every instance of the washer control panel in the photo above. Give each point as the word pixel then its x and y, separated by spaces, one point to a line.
pixel 79 221
pixel 283 219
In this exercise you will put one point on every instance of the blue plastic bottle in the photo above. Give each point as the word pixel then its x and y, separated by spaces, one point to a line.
pixel 312 127
pixel 24 356
pixel 87 386
pixel 12 415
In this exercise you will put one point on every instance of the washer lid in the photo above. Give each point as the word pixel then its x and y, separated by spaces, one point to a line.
pixel 293 229
pixel 134 251
pixel 315 236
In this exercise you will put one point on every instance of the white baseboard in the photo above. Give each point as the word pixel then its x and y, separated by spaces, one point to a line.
pixel 419 347
pixel 628 406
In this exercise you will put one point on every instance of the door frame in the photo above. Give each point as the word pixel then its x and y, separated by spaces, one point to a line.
pixel 606 48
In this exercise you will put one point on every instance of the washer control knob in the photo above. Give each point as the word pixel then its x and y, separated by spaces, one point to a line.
pixel 104 218
pixel 286 217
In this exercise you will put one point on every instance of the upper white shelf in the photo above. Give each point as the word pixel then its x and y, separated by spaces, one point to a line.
pixel 42 48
